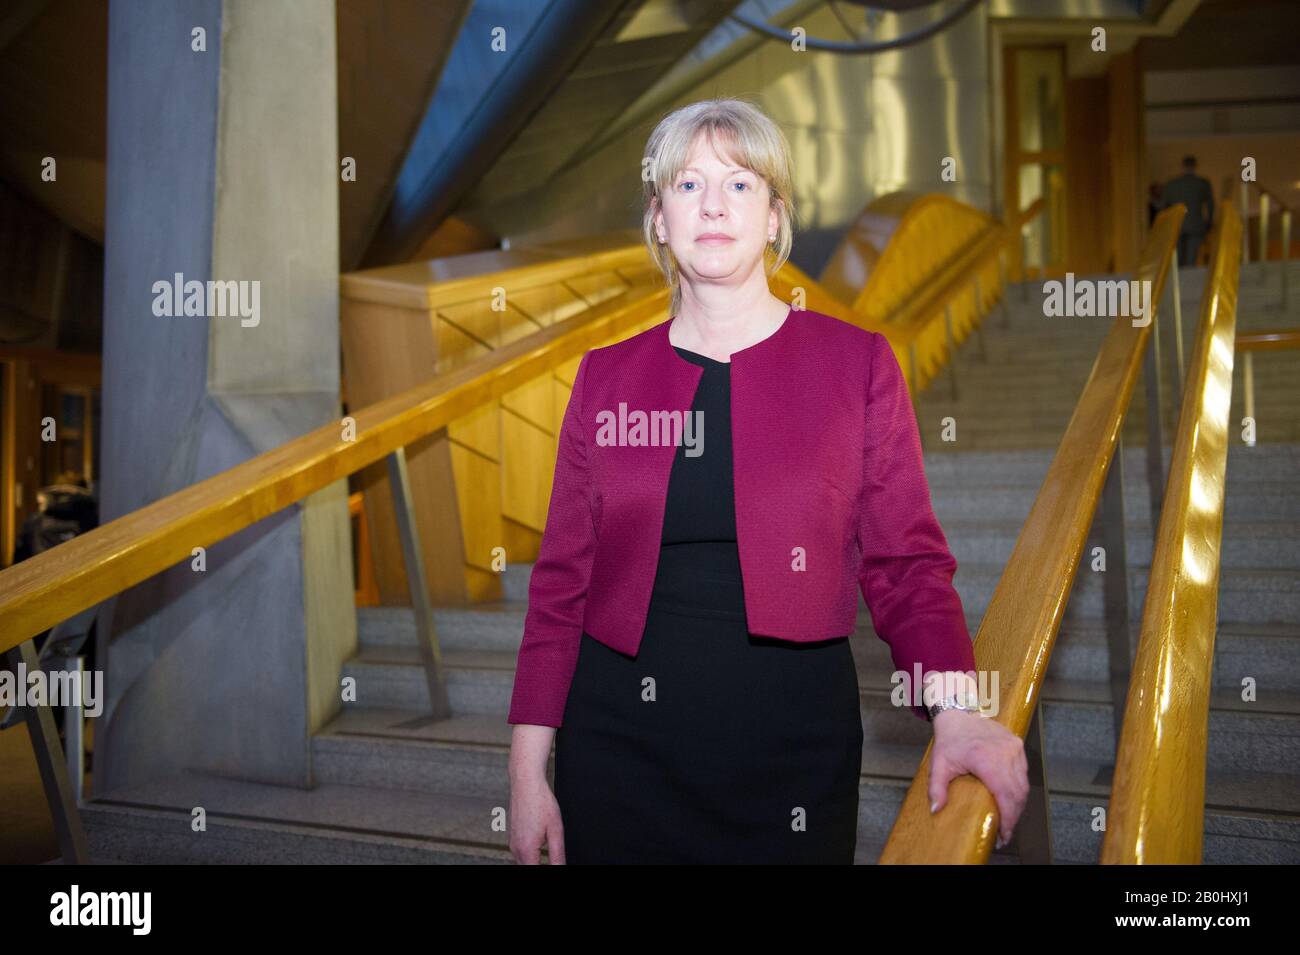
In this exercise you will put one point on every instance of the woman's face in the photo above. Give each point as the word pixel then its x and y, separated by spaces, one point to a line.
pixel 716 218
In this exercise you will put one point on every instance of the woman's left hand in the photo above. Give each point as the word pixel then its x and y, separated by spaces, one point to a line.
pixel 966 742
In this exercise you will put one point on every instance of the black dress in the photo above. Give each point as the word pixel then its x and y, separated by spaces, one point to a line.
pixel 710 745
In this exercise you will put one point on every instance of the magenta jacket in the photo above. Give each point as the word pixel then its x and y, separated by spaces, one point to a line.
pixel 830 495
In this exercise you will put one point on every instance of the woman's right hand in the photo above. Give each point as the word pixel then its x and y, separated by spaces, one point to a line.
pixel 535 821
pixel 534 811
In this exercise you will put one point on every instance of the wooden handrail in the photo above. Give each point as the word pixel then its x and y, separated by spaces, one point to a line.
pixel 906 323
pixel 1030 212
pixel 1157 800
pixel 1268 339
pixel 436 283
pixel 52 586
pixel 921 319
pixel 1018 632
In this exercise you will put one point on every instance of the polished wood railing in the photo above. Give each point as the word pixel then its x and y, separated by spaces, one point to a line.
pixel 923 270
pixel 1018 632
pixel 930 326
pixel 1157 802
pixel 1268 339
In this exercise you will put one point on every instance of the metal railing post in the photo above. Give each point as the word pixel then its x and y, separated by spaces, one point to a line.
pixel 915 385
pixel 425 635
pixel 1006 289
pixel 1248 386
pixel 1119 650
pixel 1033 835
pixel 952 350
pixel 1155 422
pixel 1024 267
pixel 74 730
pixel 1176 285
pixel 979 320
pixel 1285 264
pixel 50 761
pixel 1245 222
pixel 1263 234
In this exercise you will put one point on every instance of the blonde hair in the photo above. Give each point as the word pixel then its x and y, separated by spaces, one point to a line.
pixel 758 144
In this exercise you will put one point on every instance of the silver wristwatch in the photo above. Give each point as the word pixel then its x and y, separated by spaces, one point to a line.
pixel 960 700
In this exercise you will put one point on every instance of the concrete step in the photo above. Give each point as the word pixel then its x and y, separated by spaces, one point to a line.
pixel 486 626
pixel 1062 372
pixel 1245 544
pixel 465 755
pixel 1079 668
pixel 258 823
pixel 1269 431
pixel 514 585
pixel 478 681
pixel 949 466
pixel 262 824
pixel 1241 739
pixel 1268 500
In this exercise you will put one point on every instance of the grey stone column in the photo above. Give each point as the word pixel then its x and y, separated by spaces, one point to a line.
pixel 223 166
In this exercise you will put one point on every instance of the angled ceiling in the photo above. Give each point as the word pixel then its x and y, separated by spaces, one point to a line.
pixel 53 89
pixel 391 54
pixel 53 101
pixel 1230 33
pixel 577 67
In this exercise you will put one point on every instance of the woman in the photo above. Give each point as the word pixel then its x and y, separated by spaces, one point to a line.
pixel 686 641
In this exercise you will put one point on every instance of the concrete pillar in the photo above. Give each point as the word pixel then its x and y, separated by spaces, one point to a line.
pixel 222 165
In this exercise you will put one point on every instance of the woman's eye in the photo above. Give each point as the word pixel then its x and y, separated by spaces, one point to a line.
pixel 743 186
pixel 684 184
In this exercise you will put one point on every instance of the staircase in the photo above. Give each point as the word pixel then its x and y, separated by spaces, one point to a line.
pixel 394 787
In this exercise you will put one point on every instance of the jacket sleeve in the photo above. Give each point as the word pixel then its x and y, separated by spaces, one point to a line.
pixel 557 589
pixel 907 570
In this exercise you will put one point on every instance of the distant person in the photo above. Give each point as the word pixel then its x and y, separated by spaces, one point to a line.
pixel 1196 194
pixel 64 509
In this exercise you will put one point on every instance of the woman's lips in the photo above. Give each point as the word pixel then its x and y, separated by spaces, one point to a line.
pixel 714 239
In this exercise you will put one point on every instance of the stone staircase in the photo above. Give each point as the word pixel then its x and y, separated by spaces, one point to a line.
pixel 396 787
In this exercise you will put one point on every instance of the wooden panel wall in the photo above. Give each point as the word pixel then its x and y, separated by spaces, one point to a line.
pixel 484 482
pixel 1126 159
pixel 1089 245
